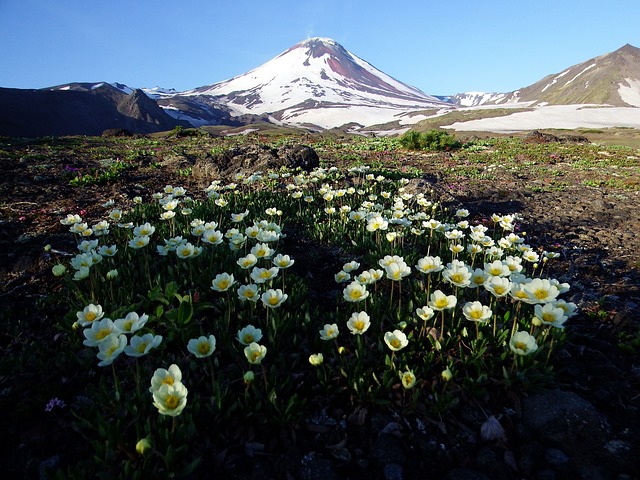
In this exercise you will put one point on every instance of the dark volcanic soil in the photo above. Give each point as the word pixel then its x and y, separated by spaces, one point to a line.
pixel 596 229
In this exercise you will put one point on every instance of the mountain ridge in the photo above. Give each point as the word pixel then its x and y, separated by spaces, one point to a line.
pixel 316 84
pixel 609 79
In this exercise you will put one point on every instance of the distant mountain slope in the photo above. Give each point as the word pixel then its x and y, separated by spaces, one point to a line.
pixel 80 109
pixel 610 79
pixel 316 82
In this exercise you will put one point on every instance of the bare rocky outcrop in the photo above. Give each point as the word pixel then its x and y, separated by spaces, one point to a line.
pixel 247 159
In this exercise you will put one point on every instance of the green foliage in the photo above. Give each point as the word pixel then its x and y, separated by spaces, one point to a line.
pixel 109 172
pixel 433 140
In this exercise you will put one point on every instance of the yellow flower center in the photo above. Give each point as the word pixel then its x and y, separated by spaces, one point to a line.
pixel 168 380
pixel 540 294
pixel 248 338
pixel 358 324
pixel 520 346
pixel 395 343
pixel 476 314
pixel 548 317
pixel 457 277
pixel 499 289
pixel 441 302
pixel 255 356
pixel 222 284
pixel 171 402
pixel 90 316
pixel 274 301
pixel 203 348
pixel 355 294
pixel 142 347
pixel 103 333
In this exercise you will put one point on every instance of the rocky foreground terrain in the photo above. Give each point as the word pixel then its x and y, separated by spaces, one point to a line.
pixel 583 426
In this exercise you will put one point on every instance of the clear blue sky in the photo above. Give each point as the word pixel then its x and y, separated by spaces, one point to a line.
pixel 441 47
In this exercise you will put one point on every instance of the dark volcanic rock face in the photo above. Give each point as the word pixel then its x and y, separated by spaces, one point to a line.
pixel 37 113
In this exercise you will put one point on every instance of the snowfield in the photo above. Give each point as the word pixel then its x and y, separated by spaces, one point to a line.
pixel 555 116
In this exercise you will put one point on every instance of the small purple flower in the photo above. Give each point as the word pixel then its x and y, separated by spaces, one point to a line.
pixel 53 403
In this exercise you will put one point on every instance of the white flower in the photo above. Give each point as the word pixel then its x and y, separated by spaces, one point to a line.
pixel 170 399
pixel 342 277
pixel 212 236
pixel 497 268
pixel 540 290
pixel 425 313
pixel 109 349
pixel 108 250
pixel 549 314
pixel 498 286
pixel 359 323
pixel 99 331
pixel 408 379
pixel 131 323
pixel 350 266
pixel 273 298
pixel 165 377
pixel 282 261
pixel 262 250
pixel 397 270
pixel 354 292
pixel 222 282
pixel 429 265
pixel 457 274
pixel 396 340
pixel 439 301
pixel 255 353
pixel 139 242
pixel 476 312
pixel 262 275
pixel 144 230
pixel 248 292
pixel 140 345
pixel 89 314
pixel 202 346
pixel 249 334
pixel 185 250
pixel 329 331
pixel 522 343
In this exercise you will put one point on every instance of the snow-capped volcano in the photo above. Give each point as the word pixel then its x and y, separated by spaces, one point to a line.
pixel 318 82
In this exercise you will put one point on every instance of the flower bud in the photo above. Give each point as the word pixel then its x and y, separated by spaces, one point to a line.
pixel 111 274
pixel 58 270
pixel 446 375
pixel 248 377
pixel 143 445
pixel 316 359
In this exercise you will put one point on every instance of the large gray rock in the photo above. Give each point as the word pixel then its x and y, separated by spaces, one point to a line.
pixel 566 421
pixel 248 159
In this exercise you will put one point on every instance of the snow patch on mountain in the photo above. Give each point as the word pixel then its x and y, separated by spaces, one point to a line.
pixel 630 93
pixel 555 116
